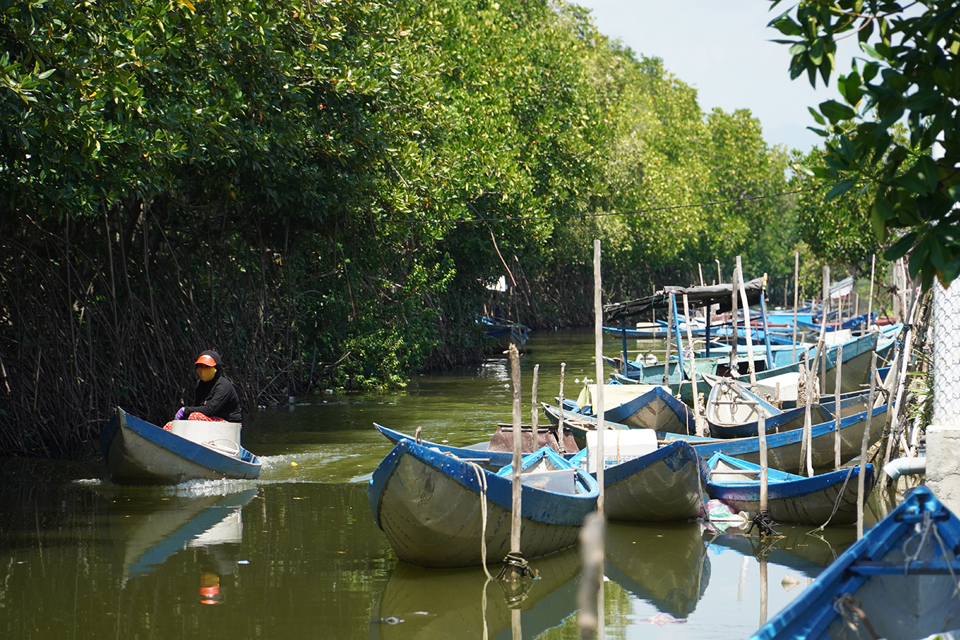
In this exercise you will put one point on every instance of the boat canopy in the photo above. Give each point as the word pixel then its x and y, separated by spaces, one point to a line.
pixel 697 296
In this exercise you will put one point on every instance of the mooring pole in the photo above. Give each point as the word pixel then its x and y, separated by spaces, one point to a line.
pixel 836 399
pixel 864 445
pixel 796 294
pixel 598 344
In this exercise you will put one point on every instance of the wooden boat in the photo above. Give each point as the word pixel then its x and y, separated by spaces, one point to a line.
pixel 898 581
pixel 661 486
pixel 829 497
pixel 489 457
pixel 666 565
pixel 505 332
pixel 645 482
pixel 644 407
pixel 733 411
pixel 783 449
pixel 138 452
pixel 431 506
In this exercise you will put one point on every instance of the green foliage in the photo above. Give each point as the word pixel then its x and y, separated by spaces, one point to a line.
pixel 912 76
pixel 321 190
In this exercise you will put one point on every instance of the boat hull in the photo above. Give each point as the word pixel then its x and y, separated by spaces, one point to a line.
pixel 661 486
pixel 138 452
pixel 429 506
pixel 817 500
pixel 900 598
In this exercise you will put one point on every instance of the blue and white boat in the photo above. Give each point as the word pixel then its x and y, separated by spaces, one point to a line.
pixel 792 499
pixel 899 581
pixel 138 452
pixel 440 511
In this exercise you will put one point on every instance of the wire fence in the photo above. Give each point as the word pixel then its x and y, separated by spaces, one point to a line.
pixel 945 370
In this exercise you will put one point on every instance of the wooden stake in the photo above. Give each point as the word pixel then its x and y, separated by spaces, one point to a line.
pixel 796 293
pixel 865 443
pixel 598 353
pixel 697 416
pixel 666 355
pixel 836 398
pixel 563 368
pixel 517 457
pixel 751 368
pixel 734 323
pixel 535 413
pixel 873 268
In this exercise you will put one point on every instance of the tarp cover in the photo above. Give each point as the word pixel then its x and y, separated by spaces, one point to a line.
pixel 720 294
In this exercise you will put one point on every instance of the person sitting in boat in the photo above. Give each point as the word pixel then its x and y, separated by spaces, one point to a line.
pixel 215 398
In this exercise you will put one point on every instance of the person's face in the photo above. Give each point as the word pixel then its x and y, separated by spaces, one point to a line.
pixel 206 373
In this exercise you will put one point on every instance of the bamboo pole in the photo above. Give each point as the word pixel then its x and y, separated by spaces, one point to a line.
pixel 697 416
pixel 764 465
pixel 734 324
pixel 866 443
pixel 517 457
pixel 796 293
pixel 763 591
pixel 836 398
pixel 598 340
pixel 751 367
pixel 535 413
pixel 563 368
pixel 873 268
pixel 666 355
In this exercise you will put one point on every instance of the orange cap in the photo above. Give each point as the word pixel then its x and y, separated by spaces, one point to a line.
pixel 206 361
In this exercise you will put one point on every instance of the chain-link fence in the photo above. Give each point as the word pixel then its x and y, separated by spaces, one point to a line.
pixel 945 344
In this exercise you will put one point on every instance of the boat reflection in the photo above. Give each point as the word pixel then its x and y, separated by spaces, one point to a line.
pixel 450 603
pixel 664 564
pixel 796 547
pixel 145 529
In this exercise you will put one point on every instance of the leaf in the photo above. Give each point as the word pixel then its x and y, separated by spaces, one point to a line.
pixel 900 247
pixel 840 188
pixel 816 116
pixel 836 111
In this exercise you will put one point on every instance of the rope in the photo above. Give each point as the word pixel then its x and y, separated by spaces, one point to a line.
pixel 482 485
pixel 836 503
pixel 848 606
pixel 232 451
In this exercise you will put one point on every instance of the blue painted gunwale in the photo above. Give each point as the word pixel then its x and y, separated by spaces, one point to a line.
pixel 780 484
pixel 244 467
pixel 678 453
pixel 536 504
pixel 812 612
pixel 474 453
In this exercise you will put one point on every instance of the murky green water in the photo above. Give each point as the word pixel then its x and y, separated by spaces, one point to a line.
pixel 297 555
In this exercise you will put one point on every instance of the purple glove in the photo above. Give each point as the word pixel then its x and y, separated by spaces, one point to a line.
pixel 179 415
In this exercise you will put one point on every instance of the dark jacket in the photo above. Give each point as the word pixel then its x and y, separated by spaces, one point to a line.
pixel 217 398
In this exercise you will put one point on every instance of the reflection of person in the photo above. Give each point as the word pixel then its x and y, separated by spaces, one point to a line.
pixel 216 561
pixel 214 398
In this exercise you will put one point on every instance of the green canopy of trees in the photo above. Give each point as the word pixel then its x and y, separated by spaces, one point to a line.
pixel 322 191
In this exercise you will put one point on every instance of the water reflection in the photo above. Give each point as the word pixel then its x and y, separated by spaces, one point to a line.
pixel 666 564
pixel 796 547
pixel 144 530
pixel 460 603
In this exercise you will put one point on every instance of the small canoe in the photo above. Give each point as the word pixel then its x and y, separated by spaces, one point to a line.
pixel 138 452
pixel 792 499
pixel 898 581
pixel 660 486
pixel 733 411
pixel 644 407
pixel 783 449
pixel 431 506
